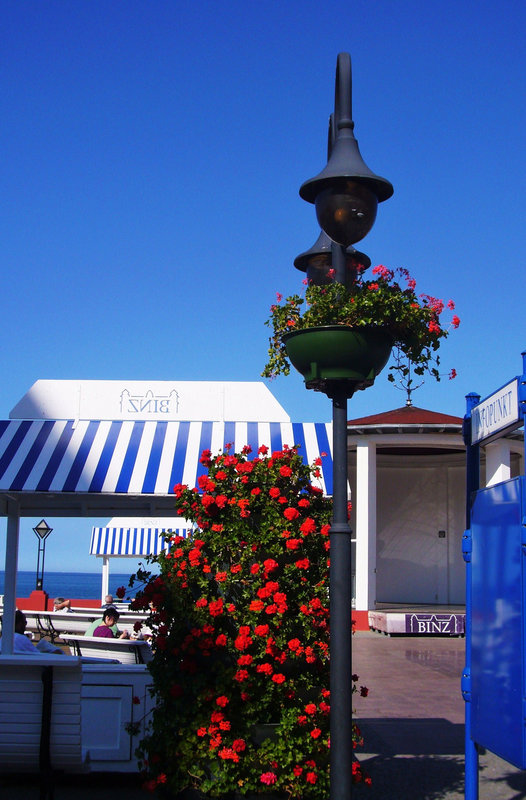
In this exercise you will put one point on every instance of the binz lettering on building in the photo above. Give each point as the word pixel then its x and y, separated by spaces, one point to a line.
pixel 452 624
pixel 149 403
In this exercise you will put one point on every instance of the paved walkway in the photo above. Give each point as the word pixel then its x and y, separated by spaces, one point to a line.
pixel 412 722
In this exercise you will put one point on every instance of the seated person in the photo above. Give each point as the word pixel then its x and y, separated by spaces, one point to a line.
pixel 22 645
pixel 100 621
pixel 61 604
pixel 108 601
pixel 106 629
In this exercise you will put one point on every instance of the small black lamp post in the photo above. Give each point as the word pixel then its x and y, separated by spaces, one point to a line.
pixel 42 531
pixel 346 195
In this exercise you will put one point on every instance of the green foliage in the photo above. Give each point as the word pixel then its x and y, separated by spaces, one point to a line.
pixel 412 320
pixel 241 635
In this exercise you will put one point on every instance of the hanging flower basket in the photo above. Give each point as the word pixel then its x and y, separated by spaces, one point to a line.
pixel 330 353
pixel 381 305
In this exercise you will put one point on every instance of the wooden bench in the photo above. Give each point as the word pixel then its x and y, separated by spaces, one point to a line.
pixel 127 651
pixel 40 716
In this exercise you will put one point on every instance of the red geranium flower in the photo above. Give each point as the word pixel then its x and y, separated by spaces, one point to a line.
pixel 268 778
pixel 304 563
pixel 238 745
pixel 309 526
pixel 293 544
pixel 215 607
pixel 222 701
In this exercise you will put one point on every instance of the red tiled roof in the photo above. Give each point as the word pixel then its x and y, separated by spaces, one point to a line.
pixel 408 415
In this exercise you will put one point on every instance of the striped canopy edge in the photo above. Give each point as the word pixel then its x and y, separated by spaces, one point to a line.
pixel 141 457
pixel 132 541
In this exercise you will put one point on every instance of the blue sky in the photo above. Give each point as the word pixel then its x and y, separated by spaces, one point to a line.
pixel 152 154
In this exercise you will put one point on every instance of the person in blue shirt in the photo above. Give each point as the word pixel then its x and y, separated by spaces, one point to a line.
pixel 23 646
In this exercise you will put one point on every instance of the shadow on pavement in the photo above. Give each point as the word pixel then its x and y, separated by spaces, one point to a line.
pixel 515 781
pixel 98 786
pixel 410 736
pixel 415 777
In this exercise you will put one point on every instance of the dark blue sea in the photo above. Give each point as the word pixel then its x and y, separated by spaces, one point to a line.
pixel 85 585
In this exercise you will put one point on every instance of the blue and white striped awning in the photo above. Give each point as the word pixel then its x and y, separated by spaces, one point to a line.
pixel 120 459
pixel 131 541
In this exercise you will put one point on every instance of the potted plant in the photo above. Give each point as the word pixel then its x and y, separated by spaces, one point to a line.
pixel 239 615
pixel 370 317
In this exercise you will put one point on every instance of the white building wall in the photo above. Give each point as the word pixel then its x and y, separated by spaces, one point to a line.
pixel 365 524
pixel 416 530
pixel 456 526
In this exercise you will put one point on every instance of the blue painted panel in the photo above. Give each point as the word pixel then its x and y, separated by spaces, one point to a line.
pixel 498 621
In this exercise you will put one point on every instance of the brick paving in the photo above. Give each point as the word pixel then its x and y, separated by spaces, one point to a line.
pixel 413 722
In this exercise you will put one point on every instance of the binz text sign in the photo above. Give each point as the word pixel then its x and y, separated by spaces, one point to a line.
pixel 452 624
pixel 498 412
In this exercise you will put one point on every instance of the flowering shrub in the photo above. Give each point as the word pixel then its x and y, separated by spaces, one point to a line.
pixel 412 320
pixel 240 620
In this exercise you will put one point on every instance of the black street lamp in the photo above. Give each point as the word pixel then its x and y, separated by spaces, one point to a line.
pixel 346 195
pixel 317 262
pixel 42 531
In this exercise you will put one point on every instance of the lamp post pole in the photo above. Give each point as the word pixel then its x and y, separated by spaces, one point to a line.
pixel 346 195
pixel 41 531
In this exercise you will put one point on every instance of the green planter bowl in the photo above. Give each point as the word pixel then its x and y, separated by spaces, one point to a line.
pixel 332 354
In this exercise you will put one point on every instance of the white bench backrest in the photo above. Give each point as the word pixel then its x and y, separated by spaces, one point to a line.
pixel 21 693
pixel 127 651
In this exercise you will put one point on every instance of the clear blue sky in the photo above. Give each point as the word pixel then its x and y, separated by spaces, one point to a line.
pixel 152 154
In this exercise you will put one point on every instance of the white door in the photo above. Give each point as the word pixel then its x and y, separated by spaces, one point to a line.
pixel 106 711
pixel 412 535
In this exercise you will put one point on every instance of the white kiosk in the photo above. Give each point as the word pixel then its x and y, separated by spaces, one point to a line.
pixel 114 449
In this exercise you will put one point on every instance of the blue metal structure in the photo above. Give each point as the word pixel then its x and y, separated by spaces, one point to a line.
pixel 494 549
